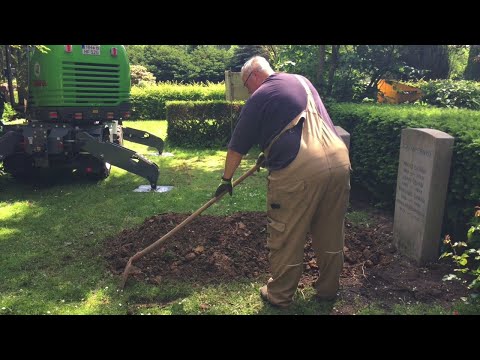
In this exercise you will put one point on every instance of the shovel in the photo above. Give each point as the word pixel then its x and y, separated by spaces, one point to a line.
pixel 157 243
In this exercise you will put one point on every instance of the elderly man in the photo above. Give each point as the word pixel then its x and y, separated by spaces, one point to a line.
pixel 308 181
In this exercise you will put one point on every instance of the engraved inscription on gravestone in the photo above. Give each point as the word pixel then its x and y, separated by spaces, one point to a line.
pixel 411 184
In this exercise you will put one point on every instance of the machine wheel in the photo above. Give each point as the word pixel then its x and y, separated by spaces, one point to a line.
pixel 106 167
pixel 101 170
pixel 95 169
pixel 19 166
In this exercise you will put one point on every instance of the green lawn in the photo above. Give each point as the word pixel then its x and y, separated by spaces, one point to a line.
pixel 51 237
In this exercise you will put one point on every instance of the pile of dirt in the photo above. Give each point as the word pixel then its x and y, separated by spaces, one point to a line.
pixel 214 249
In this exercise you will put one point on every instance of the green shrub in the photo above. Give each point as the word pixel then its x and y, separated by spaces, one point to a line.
pixel 201 124
pixel 8 113
pixel 451 94
pixel 466 255
pixel 148 102
pixel 140 76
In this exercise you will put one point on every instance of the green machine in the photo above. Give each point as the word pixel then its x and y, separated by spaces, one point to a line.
pixel 78 97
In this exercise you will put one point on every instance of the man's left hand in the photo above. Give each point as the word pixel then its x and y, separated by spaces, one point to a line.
pixel 260 161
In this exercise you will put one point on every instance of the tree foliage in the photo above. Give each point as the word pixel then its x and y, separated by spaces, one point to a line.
pixel 244 52
pixel 429 62
pixel 458 55
pixel 135 54
pixel 340 72
pixel 182 63
pixel 19 66
pixel 210 63
pixel 168 63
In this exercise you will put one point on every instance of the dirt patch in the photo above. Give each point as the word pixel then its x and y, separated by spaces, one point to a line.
pixel 215 249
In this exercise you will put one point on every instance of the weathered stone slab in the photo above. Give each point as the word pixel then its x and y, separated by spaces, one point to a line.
pixel 423 172
pixel 344 135
pixel 234 89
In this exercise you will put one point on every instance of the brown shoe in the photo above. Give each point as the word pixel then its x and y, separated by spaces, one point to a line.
pixel 264 293
pixel 264 296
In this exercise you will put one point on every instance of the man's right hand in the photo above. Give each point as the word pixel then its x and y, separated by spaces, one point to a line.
pixel 225 185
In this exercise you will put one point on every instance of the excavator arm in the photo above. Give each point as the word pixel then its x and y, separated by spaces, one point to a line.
pixel 144 138
pixel 121 157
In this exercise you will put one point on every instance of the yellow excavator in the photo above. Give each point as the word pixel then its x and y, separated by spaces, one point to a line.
pixel 394 92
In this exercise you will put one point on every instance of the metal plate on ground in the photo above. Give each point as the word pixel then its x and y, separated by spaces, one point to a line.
pixel 148 188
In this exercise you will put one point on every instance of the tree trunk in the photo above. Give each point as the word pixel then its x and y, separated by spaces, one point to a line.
pixel 472 71
pixel 333 68
pixel 8 62
pixel 431 61
pixel 321 67
pixel 22 78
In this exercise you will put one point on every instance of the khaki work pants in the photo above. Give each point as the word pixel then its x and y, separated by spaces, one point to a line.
pixel 309 195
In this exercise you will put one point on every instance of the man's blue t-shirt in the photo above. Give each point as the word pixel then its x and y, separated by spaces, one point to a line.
pixel 279 99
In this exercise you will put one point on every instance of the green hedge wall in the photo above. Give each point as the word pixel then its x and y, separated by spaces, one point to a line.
pixel 201 123
pixel 149 102
pixel 375 132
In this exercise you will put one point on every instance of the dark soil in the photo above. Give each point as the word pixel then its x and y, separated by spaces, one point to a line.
pixel 215 249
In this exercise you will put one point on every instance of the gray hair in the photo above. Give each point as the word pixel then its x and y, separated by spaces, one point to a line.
pixel 256 63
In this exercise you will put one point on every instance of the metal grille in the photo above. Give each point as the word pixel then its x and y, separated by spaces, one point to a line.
pixel 90 83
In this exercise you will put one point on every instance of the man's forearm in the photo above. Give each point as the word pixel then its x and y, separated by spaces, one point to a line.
pixel 232 161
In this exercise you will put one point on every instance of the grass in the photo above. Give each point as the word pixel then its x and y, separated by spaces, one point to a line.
pixel 51 237
pixel 359 218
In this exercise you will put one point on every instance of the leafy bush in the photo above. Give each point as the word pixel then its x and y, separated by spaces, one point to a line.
pixel 8 113
pixel 467 259
pixel 451 94
pixel 141 76
pixel 473 234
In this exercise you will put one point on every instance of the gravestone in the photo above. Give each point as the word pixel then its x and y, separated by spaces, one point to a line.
pixel 234 89
pixel 423 172
pixel 344 135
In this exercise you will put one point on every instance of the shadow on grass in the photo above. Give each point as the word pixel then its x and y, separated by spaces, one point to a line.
pixel 300 306
pixel 235 298
pixel 53 177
